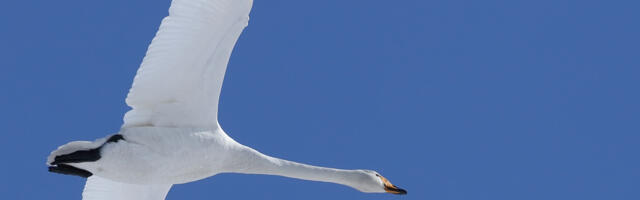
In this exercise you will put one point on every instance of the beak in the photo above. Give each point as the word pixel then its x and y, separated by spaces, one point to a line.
pixel 394 190
pixel 390 188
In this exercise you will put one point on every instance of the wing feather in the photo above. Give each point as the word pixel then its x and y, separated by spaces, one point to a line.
pixel 179 81
pixel 98 188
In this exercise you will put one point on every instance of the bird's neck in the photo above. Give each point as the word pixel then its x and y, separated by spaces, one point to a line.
pixel 249 161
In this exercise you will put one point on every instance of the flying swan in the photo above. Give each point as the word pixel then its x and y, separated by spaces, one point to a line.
pixel 171 135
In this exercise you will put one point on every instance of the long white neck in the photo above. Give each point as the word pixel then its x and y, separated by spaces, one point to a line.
pixel 249 161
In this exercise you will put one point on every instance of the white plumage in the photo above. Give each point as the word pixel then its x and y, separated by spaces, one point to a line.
pixel 179 81
pixel 172 135
pixel 101 188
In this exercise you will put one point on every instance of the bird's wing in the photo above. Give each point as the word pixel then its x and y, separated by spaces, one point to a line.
pixel 98 188
pixel 179 81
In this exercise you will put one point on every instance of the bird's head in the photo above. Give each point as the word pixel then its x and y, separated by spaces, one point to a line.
pixel 372 182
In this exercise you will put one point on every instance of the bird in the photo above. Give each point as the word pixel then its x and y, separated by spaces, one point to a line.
pixel 171 135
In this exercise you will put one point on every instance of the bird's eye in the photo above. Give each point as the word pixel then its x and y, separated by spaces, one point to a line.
pixel 378 175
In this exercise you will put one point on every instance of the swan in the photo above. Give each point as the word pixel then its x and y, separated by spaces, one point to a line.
pixel 171 135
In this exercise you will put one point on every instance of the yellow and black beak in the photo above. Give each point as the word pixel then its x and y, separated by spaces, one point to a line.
pixel 390 188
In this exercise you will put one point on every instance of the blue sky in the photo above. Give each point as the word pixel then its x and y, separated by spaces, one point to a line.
pixel 449 99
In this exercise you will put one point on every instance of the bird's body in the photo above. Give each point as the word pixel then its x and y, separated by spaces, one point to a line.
pixel 172 135
pixel 152 155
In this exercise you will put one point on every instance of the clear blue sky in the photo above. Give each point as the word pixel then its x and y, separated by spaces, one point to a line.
pixel 449 99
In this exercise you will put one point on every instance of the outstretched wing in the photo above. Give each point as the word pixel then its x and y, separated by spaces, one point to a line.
pixel 179 81
pixel 98 188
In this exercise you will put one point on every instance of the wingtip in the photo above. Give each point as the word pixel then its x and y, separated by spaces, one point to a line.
pixel 69 170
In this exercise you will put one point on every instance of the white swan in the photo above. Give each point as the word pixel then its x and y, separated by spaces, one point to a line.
pixel 171 135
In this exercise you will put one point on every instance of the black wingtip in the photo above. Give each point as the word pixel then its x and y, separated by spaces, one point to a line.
pixel 115 138
pixel 70 170
pixel 90 155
